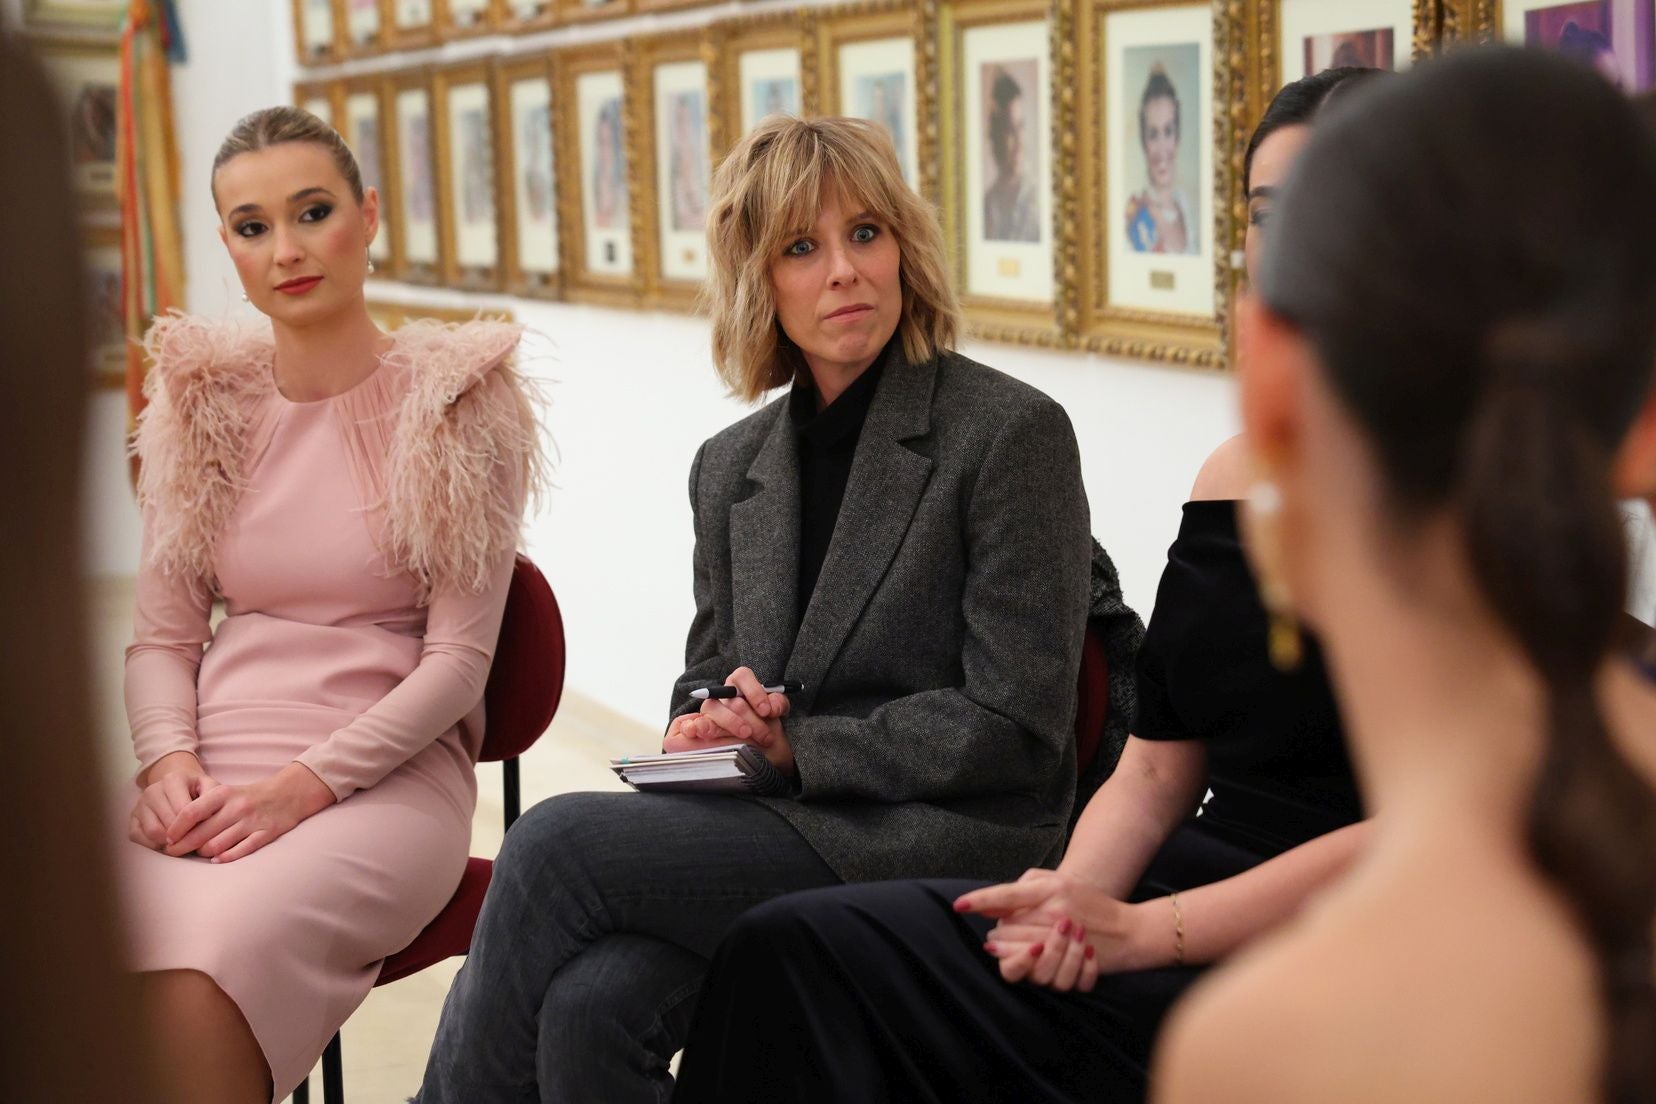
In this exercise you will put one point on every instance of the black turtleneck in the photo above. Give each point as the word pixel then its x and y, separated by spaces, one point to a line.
pixel 827 443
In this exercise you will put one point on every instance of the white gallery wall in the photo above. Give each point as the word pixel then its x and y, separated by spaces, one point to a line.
pixel 631 396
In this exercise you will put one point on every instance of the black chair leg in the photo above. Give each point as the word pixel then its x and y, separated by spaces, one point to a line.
pixel 514 800
pixel 333 1072
pixel 301 1095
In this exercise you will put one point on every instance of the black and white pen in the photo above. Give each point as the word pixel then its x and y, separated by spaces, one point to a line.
pixel 731 692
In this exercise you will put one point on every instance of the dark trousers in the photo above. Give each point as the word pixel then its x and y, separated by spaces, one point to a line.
pixel 881 992
pixel 601 916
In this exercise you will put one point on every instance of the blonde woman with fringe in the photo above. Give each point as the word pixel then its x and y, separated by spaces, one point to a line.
pixel 904 535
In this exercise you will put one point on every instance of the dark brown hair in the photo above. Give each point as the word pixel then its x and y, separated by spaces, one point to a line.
pixel 276 125
pixel 58 940
pixel 1444 244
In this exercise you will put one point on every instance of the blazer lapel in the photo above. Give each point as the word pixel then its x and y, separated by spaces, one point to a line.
pixel 764 553
pixel 886 482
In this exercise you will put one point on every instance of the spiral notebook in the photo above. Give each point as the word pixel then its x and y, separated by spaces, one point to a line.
pixel 734 769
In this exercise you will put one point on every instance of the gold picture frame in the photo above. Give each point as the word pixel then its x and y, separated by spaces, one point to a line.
pixel 314 42
pixel 1615 35
pixel 86 75
pixel 468 191
pixel 366 135
pixel 524 16
pixel 324 99
pixel 410 24
pixel 1467 21
pixel 861 48
pixel 529 207
pixel 460 19
pixel 757 56
pixel 1135 297
pixel 595 100
pixel 1002 233
pixel 415 215
pixel 583 11
pixel 106 312
pixel 677 80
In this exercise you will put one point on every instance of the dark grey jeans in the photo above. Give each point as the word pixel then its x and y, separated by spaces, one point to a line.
pixel 598 926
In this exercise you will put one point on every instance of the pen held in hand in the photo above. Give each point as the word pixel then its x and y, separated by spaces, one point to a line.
pixel 731 692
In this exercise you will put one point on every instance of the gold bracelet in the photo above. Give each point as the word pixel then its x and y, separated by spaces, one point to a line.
pixel 1178 930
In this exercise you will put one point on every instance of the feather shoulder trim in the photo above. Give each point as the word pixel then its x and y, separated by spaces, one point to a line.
pixel 206 380
pixel 465 454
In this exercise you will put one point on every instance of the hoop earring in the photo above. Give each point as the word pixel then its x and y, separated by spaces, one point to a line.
pixel 1261 518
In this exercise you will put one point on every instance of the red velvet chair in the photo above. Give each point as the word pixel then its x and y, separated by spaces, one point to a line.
pixel 1092 703
pixel 525 684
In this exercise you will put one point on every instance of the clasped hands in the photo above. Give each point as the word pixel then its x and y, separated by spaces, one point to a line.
pixel 1054 929
pixel 753 718
pixel 183 810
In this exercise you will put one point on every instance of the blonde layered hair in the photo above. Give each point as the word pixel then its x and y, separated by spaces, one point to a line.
pixel 767 194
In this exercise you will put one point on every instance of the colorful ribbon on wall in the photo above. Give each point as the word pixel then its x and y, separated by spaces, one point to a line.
pixel 146 160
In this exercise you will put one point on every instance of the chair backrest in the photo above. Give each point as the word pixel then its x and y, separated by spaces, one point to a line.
pixel 1092 703
pixel 527 676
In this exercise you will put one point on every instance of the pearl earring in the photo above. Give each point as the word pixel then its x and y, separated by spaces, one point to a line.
pixel 245 299
pixel 370 264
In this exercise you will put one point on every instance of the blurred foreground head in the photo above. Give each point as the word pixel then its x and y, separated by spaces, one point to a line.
pixel 1468 255
pixel 71 1033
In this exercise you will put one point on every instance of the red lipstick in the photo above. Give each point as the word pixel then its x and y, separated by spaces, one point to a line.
pixel 299 285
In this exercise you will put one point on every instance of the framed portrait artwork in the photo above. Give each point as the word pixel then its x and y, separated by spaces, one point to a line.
pixel 364 26
pixel 527 15
pixel 466 177
pixel 362 125
pixel 763 64
pixel 101 251
pixel 464 18
pixel 1370 34
pixel 868 61
pixel 411 23
pixel 596 185
pixel 997 185
pixel 1616 37
pixel 322 99
pixel 315 34
pixel 679 178
pixel 86 76
pixel 86 15
pixel 529 238
pixel 412 205
pixel 1154 246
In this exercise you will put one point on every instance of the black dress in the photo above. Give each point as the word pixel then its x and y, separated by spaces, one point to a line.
pixel 882 992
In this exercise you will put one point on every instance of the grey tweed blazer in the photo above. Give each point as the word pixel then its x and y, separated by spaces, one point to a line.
pixel 939 652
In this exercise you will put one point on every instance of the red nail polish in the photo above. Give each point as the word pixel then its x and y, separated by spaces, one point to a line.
pixel 1080 933
pixel 991 948
pixel 1036 949
pixel 1064 926
pixel 962 905
pixel 1089 950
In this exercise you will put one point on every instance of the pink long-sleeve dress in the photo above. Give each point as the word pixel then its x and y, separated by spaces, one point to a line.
pixel 362 546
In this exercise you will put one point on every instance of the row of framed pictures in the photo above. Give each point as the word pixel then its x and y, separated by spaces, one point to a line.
pixel 1085 154
pixel 332 30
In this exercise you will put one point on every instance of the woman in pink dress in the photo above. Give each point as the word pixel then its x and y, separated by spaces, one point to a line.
pixel 354 499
